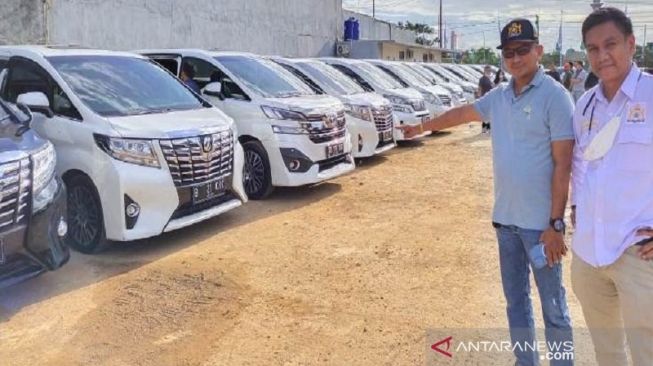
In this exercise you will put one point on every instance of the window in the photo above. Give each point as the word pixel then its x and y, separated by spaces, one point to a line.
pixel 359 80
pixel 425 57
pixel 264 77
pixel 410 54
pixel 394 75
pixel 205 72
pixel 25 76
pixel 402 55
pixel 304 78
pixel 122 85
pixel 170 64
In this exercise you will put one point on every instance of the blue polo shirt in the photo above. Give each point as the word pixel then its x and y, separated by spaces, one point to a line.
pixel 523 128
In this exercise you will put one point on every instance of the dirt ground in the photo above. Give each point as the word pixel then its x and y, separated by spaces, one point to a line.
pixel 363 270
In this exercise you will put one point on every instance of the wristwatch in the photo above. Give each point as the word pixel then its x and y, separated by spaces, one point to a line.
pixel 558 224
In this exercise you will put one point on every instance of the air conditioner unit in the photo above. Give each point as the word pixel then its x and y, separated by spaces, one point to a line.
pixel 343 49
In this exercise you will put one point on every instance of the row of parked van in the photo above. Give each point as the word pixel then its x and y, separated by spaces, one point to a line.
pixel 138 152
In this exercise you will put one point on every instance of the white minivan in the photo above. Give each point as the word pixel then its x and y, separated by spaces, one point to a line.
pixel 139 152
pixel 369 115
pixel 407 103
pixel 456 91
pixel 291 135
pixel 438 99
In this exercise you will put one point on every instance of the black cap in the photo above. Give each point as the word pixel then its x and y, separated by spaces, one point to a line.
pixel 519 29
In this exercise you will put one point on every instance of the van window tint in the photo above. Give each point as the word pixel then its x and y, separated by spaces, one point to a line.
pixel 123 86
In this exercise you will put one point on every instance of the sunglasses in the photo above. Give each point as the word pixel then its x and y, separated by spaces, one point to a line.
pixel 521 51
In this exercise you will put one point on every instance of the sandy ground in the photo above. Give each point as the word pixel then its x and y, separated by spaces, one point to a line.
pixel 369 269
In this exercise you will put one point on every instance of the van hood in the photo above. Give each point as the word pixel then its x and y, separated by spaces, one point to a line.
pixel 172 124
pixel 307 104
pixel 408 93
pixel 367 99
pixel 14 147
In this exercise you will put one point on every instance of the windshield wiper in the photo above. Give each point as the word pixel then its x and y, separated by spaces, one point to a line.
pixel 288 94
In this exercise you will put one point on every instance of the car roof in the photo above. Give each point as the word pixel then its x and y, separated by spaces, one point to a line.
pixel 53 50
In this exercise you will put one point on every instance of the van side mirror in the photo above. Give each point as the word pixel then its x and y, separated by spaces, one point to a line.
pixel 37 102
pixel 213 89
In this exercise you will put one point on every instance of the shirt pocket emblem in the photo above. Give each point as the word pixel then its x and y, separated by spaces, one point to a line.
pixel 636 113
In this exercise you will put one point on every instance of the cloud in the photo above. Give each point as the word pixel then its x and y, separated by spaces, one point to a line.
pixel 476 20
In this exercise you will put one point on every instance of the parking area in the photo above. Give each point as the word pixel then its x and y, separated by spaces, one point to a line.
pixel 350 272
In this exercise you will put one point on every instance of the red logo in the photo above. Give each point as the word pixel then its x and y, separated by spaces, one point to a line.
pixel 447 342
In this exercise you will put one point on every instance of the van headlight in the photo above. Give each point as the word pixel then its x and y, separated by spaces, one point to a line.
pixel 44 185
pixel 135 151
pixel 399 104
pixel 432 99
pixel 282 114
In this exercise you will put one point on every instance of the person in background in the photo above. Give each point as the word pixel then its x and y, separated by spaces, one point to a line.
pixel 500 77
pixel 552 72
pixel 578 81
pixel 568 70
pixel 187 75
pixel 591 81
pixel 484 86
pixel 612 195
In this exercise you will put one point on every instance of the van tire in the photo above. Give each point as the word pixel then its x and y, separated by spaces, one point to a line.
pixel 257 177
pixel 86 232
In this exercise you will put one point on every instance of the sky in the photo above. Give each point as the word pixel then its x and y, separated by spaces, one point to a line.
pixel 475 21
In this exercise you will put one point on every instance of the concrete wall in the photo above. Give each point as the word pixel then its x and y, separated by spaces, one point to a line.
pixel 371 28
pixel 299 28
pixel 22 21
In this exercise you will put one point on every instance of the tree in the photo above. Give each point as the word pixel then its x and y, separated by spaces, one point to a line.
pixel 551 58
pixel 480 56
pixel 422 31
pixel 641 60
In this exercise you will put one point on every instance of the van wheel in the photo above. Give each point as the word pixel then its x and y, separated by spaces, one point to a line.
pixel 257 178
pixel 85 220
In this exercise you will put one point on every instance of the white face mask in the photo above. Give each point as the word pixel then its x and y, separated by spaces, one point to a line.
pixel 603 141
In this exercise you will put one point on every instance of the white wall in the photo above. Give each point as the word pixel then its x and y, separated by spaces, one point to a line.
pixel 300 28
pixel 21 22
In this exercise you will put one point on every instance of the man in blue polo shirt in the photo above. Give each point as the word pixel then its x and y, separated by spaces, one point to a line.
pixel 532 140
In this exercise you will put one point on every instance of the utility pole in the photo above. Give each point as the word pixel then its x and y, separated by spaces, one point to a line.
pixel 373 9
pixel 644 49
pixel 440 25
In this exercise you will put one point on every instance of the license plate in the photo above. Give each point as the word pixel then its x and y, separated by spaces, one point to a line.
pixel 207 191
pixel 386 135
pixel 335 150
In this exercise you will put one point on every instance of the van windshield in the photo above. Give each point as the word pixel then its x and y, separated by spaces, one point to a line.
pixel 330 79
pixel 380 77
pixel 114 86
pixel 264 77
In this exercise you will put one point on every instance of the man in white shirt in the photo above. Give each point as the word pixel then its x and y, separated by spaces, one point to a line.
pixel 578 80
pixel 612 178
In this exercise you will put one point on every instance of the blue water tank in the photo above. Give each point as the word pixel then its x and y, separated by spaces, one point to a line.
pixel 357 32
pixel 352 29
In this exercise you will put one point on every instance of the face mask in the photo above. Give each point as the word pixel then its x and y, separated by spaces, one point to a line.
pixel 603 141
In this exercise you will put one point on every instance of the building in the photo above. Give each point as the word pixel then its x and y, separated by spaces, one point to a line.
pixel 291 28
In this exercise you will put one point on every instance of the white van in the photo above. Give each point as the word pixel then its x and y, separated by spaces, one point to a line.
pixel 408 104
pixel 291 135
pixel 140 154
pixel 369 115
pixel 438 99
pixel 457 93
pixel 469 88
